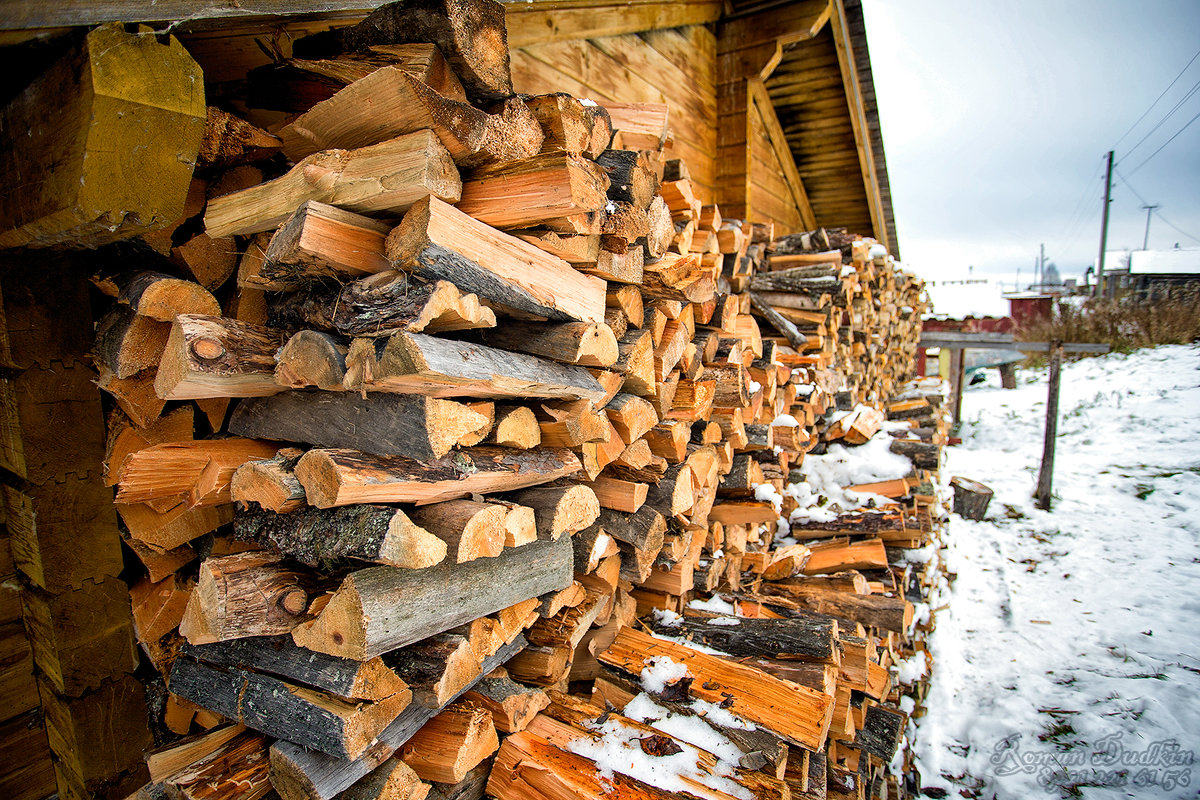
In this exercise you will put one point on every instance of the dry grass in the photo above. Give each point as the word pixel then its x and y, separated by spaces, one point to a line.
pixel 1125 324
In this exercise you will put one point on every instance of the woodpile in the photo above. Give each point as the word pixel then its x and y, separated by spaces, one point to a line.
pixel 473 474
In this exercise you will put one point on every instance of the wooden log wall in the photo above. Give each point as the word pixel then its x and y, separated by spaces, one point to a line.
pixel 430 446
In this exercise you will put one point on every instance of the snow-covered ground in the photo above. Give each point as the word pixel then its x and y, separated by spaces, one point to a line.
pixel 1067 649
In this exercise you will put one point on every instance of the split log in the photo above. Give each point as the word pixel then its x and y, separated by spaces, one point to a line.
pixel 511 705
pixel 229 141
pixel 515 426
pixel 438 241
pixel 217 357
pixel 471 34
pixel 134 395
pixel 312 359
pixel 631 177
pixel 380 609
pixel 545 190
pixel 197 472
pixel 638 126
pixel 578 250
pixel 298 773
pixel 128 343
pixel 559 509
pixel 312 536
pixel 279 656
pixel 246 594
pixel 271 483
pixel 166 530
pixel 158 296
pixel 342 477
pixel 810 637
pixel 384 178
pixel 882 731
pixel 582 343
pixel 319 241
pixel 566 124
pixel 382 303
pixel 384 424
pixel 389 102
pixel 119 104
pixel 308 717
pixel 391 780
pixel 796 714
pixel 239 763
pixel 619 495
pixel 884 613
pixel 451 744
pixel 471 529
pixel 626 266
pixel 419 364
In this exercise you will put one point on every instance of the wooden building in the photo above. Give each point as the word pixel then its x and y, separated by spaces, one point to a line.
pixel 772 107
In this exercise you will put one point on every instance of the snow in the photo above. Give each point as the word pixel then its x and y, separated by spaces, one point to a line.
pixel 724 621
pixel 785 421
pixel 822 497
pixel 1067 661
pixel 683 727
pixel 661 672
pixel 714 604
pixel 767 493
pixel 666 617
pixel 753 386
pixel 586 101
pixel 617 749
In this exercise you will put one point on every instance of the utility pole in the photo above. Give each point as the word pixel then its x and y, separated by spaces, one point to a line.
pixel 1104 225
pixel 1146 238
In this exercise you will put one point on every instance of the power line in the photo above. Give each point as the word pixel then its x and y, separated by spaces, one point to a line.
pixel 1166 117
pixel 1160 97
pixel 1176 227
pixel 1187 125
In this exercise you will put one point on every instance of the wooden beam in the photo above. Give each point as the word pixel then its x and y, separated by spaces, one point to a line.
pixel 858 120
pixel 559 20
pixel 783 151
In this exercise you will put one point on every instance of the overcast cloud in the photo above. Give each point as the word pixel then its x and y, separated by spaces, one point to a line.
pixel 996 118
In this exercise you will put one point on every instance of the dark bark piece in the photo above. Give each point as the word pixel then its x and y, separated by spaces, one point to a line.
pixel 279 656
pixel 881 732
pixel 811 637
pixel 127 343
pixel 316 537
pixel 470 33
pixel 385 424
pixel 298 773
pixel 381 609
pixel 925 455
pixel 307 717
pixel 381 304
pixel 229 141
pixel 631 177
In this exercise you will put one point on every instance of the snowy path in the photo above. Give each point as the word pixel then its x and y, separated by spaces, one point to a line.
pixel 1068 660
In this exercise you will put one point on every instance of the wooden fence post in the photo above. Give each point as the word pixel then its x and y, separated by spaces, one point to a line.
pixel 1047 472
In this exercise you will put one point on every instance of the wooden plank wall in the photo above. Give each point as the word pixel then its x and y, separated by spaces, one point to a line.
pixel 811 102
pixel 675 66
pixel 771 199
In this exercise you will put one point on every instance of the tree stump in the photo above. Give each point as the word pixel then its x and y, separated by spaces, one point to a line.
pixel 971 498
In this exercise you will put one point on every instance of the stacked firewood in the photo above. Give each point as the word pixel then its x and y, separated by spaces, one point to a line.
pixel 482 473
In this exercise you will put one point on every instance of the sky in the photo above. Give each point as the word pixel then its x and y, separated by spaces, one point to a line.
pixel 997 116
